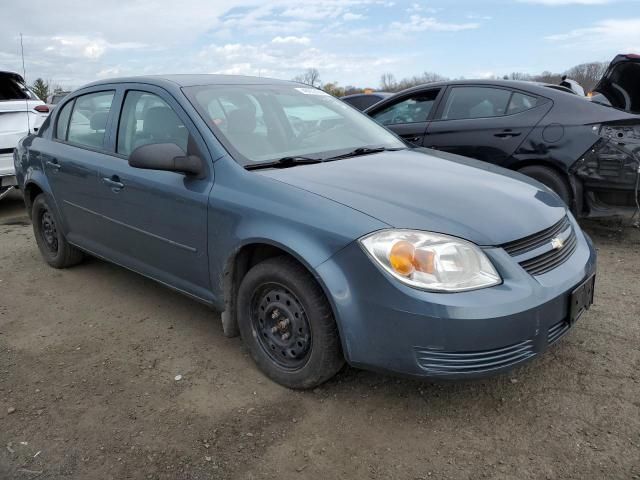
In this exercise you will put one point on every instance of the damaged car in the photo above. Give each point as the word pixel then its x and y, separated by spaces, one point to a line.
pixel 587 152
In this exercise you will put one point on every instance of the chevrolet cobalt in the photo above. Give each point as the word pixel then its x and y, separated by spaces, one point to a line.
pixel 319 234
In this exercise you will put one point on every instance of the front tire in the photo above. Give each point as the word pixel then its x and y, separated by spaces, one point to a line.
pixel 52 244
pixel 287 324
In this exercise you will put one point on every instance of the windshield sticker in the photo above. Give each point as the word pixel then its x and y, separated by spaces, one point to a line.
pixel 311 91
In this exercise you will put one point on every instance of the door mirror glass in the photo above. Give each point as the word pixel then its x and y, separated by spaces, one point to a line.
pixel 166 156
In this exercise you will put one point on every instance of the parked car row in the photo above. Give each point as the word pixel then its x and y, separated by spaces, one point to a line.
pixel 321 235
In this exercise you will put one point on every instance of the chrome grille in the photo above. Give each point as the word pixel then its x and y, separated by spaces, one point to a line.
pixel 546 255
pixel 439 362
pixel 526 244
pixel 551 259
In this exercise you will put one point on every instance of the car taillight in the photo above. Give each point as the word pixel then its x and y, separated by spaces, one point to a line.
pixel 41 108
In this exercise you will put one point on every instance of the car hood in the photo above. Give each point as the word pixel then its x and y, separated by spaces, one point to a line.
pixel 621 83
pixel 434 191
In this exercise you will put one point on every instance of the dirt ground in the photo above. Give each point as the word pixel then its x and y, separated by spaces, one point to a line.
pixel 89 356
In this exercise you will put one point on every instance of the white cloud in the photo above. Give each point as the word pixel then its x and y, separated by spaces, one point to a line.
pixel 291 39
pixel 556 3
pixel 418 23
pixel 347 17
pixel 607 36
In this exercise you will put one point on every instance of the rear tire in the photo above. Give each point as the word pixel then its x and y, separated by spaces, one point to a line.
pixel 287 324
pixel 552 179
pixel 53 246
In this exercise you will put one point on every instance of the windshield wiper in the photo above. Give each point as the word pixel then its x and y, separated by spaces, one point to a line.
pixel 284 162
pixel 363 151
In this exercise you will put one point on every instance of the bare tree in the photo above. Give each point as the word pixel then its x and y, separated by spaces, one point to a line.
pixel 588 74
pixel 388 82
pixel 310 77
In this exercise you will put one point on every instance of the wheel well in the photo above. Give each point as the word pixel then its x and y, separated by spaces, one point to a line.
pixel 31 191
pixel 575 186
pixel 237 267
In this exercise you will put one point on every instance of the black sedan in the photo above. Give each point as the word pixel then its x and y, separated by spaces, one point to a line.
pixel 586 152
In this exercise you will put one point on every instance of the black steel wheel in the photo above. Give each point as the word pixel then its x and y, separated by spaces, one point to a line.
pixel 52 244
pixel 287 324
pixel 282 325
pixel 49 231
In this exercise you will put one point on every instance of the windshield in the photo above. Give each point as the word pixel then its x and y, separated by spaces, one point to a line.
pixel 259 123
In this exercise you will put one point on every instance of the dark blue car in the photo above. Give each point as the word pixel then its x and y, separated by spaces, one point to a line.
pixel 320 235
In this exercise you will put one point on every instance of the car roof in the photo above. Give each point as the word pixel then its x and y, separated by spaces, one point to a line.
pixel 522 84
pixel 192 80
pixel 548 90
pixel 370 94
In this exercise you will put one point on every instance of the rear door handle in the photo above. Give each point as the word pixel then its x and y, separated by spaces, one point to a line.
pixel 113 182
pixel 507 133
pixel 53 163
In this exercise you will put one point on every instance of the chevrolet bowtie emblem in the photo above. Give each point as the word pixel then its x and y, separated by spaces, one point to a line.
pixel 557 243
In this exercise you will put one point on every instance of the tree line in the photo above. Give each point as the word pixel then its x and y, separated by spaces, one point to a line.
pixel 586 74
pixel 43 88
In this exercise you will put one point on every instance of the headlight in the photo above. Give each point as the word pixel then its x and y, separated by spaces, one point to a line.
pixel 431 261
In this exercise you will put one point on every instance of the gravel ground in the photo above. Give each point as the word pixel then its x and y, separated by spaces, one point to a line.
pixel 89 357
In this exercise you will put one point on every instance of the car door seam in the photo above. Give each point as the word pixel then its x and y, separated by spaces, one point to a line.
pixel 139 230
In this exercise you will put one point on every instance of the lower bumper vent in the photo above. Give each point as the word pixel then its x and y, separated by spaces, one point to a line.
pixel 439 362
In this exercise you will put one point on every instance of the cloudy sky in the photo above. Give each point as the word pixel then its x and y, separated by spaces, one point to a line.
pixel 349 41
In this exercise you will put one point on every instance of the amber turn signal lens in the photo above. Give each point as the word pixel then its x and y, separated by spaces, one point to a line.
pixel 401 258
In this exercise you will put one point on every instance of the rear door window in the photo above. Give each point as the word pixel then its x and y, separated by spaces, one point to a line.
pixel 88 123
pixel 415 109
pixel 476 102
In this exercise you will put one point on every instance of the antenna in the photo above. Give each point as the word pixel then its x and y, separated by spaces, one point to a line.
pixel 24 77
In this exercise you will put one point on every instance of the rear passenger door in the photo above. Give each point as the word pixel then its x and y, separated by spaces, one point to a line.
pixel 155 221
pixel 71 163
pixel 409 115
pixel 484 122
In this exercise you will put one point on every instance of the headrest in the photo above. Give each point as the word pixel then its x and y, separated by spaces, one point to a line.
pixel 242 120
pixel 98 121
pixel 161 122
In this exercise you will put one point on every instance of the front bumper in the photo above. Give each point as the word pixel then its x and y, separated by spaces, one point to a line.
pixel 387 326
pixel 7 171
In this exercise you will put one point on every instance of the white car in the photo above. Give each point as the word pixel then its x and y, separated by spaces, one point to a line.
pixel 21 113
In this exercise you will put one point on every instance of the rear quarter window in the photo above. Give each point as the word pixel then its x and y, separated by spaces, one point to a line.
pixel 62 123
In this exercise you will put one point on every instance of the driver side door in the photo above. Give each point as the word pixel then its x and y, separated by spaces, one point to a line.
pixel 156 220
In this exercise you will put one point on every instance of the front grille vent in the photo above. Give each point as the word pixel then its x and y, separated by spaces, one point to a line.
pixel 548 261
pixel 526 244
pixel 556 244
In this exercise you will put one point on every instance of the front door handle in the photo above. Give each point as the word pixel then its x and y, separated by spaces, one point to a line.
pixel 53 163
pixel 113 182
pixel 411 139
pixel 507 133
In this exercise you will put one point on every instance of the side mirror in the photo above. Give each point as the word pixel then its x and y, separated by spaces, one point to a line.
pixel 166 156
